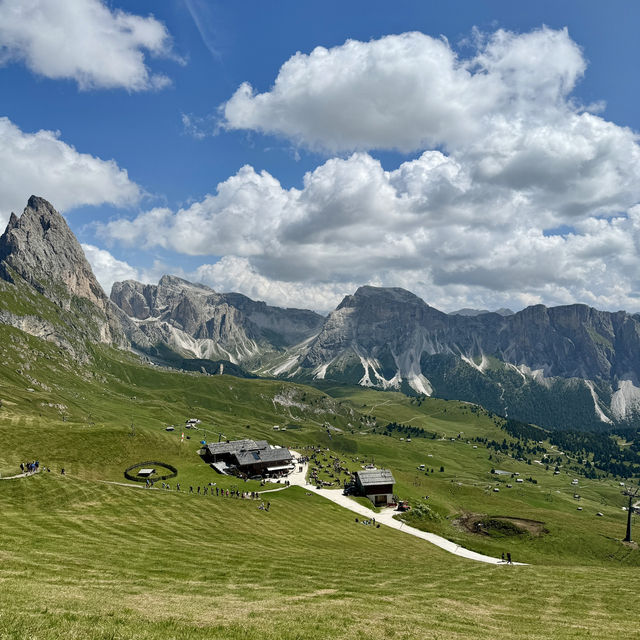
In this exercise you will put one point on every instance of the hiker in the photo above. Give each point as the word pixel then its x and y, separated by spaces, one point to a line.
pixel 268 505
pixel 206 489
pixel 22 467
pixel 216 490
pixel 178 486
pixel 503 556
pixel 190 489
pixel 509 558
pixel 198 489
pixel 62 471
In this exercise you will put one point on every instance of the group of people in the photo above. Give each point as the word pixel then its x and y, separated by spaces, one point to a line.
pixel 508 560
pixel 30 467
pixel 212 489
pixel 220 492
pixel 370 523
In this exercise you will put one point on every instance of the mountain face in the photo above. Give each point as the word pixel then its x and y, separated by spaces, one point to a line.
pixel 563 366
pixel 196 322
pixel 39 254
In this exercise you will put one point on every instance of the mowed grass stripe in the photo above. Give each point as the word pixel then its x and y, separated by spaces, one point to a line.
pixel 184 566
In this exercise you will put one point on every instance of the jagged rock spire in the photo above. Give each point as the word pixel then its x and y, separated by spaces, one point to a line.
pixel 41 248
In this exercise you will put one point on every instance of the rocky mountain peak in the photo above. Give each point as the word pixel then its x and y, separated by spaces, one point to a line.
pixel 41 248
pixel 174 282
pixel 386 296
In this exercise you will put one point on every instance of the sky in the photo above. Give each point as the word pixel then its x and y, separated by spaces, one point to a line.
pixel 478 153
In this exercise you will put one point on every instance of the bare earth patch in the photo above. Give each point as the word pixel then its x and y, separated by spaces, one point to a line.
pixel 483 524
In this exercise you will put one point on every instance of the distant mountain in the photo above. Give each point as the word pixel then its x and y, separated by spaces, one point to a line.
pixel 479 312
pixel 196 322
pixel 570 366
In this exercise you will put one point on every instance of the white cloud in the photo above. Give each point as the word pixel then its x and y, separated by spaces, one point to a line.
pixel 42 164
pixel 83 40
pixel 232 273
pixel 410 91
pixel 467 224
pixel 107 268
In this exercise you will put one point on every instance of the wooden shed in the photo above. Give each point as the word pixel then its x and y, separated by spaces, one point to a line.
pixel 376 484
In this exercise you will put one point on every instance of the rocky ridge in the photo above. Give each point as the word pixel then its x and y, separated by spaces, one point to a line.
pixel 568 366
pixel 391 339
pixel 195 321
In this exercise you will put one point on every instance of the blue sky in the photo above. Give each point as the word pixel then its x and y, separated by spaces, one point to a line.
pixel 489 159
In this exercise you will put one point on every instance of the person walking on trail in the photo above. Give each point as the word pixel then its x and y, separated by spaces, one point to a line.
pixel 191 489
pixel 503 556
pixel 509 558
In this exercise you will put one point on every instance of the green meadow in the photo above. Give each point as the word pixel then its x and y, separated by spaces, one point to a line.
pixel 90 555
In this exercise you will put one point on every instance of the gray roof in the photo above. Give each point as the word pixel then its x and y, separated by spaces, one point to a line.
pixel 370 477
pixel 263 455
pixel 235 446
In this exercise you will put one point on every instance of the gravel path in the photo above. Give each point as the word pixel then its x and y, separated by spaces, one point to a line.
pixel 386 517
pixel 20 475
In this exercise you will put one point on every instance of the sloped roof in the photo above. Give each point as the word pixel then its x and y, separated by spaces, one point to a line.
pixel 263 455
pixel 370 477
pixel 236 446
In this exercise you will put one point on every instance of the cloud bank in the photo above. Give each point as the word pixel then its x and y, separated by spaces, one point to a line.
pixel 517 194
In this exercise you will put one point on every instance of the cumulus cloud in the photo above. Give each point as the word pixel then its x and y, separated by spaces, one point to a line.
pixel 409 91
pixel 42 164
pixel 107 268
pixel 507 158
pixel 83 40
pixel 232 273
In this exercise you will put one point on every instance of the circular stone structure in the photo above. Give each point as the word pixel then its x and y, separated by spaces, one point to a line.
pixel 173 472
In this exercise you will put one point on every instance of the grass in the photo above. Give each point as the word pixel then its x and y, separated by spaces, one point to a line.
pixel 80 558
pixel 84 560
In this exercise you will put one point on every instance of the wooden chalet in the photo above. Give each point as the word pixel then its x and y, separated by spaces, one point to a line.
pixel 375 484
pixel 249 458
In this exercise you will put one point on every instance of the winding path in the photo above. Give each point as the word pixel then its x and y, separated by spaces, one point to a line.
pixel 386 517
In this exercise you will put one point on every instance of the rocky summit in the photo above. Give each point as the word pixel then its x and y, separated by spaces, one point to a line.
pixel 38 251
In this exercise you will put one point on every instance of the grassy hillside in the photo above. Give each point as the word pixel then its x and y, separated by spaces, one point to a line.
pixel 81 558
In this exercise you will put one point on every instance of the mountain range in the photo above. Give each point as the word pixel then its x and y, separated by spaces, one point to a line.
pixel 562 367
